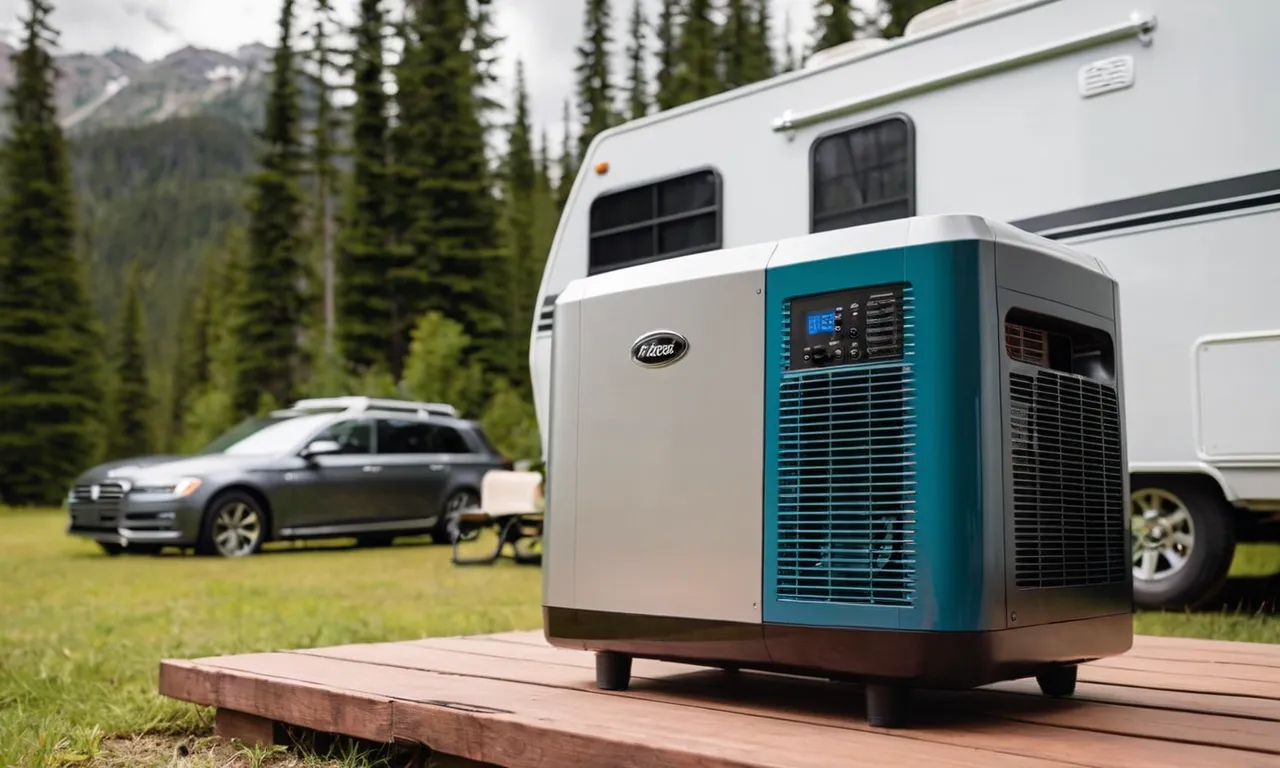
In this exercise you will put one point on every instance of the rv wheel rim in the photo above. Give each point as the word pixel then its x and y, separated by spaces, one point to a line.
pixel 1163 534
pixel 236 529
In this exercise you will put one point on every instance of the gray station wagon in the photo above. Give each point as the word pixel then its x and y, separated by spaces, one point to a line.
pixel 323 468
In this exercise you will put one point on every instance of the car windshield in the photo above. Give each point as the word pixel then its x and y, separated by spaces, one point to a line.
pixel 265 436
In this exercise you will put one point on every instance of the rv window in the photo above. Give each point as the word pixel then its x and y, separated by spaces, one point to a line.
pixel 669 218
pixel 863 175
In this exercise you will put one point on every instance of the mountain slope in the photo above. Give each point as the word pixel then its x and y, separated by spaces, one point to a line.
pixel 118 89
pixel 158 194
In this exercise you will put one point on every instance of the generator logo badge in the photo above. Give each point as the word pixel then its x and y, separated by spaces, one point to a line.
pixel 658 349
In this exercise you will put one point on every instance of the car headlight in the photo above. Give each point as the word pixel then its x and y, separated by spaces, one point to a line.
pixel 182 488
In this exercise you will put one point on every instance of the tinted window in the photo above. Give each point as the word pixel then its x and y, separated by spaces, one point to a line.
pixel 353 436
pixel 449 440
pixel 408 436
pixel 863 175
pixel 669 218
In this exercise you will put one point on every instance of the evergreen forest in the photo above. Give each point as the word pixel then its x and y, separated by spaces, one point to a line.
pixel 160 282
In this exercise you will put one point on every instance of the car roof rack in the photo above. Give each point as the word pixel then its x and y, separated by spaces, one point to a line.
pixel 358 404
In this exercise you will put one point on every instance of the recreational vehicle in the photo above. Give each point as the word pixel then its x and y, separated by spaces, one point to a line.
pixel 1141 133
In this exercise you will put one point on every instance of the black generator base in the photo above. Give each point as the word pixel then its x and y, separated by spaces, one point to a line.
pixel 889 662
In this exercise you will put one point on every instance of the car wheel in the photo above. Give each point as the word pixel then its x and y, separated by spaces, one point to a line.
pixel 234 526
pixel 1183 540
pixel 448 525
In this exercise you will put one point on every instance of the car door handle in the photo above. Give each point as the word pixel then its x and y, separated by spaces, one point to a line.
pixel 436 467
pixel 371 468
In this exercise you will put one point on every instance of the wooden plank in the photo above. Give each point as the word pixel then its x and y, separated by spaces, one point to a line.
pixel 776 696
pixel 1150 698
pixel 517 725
pixel 1196 644
pixel 187 681
pixel 1211 655
pixel 250 730
pixel 314 707
pixel 1261 674
pixel 1174 679
pixel 1213 704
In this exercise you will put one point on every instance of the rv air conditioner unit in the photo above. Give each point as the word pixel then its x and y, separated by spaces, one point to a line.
pixel 893 453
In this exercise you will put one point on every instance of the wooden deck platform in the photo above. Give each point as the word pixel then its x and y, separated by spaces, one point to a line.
pixel 512 700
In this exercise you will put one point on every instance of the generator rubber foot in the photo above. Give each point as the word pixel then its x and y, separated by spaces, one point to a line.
pixel 613 671
pixel 886 705
pixel 1058 681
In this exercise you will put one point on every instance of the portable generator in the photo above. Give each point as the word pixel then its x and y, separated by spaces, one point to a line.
pixel 893 453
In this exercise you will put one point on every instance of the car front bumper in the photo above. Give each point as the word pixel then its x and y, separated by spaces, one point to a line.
pixel 130 521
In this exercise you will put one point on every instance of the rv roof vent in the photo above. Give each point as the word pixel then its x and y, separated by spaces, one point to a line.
pixel 845 51
pixel 949 13
pixel 941 15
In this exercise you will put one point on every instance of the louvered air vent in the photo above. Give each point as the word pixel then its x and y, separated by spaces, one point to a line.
pixel 1105 76
pixel 884 326
pixel 846 481
pixel 1068 476
pixel 1026 344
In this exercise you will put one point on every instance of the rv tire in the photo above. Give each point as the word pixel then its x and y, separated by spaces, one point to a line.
pixel 1197 510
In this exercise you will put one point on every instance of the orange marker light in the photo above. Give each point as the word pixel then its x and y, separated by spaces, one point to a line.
pixel 602 168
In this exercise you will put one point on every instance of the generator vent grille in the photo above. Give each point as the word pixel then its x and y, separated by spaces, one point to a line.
pixel 1026 344
pixel 1068 481
pixel 846 481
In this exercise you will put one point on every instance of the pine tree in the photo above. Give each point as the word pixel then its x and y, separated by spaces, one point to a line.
pixel 131 402
pixel 322 167
pixel 546 213
pixel 738 45
pixel 374 327
pixel 835 24
pixel 520 282
pixel 697 74
pixel 637 82
pixel 595 87
pixel 51 401
pixel 483 44
pixel 790 60
pixel 568 163
pixel 667 33
pixel 761 63
pixel 271 301
pixel 452 225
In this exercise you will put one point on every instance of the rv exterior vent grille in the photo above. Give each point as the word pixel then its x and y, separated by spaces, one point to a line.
pixel 1026 345
pixel 1106 75
pixel 1068 481
pixel 846 482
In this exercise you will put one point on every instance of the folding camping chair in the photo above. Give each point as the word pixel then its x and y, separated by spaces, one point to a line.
pixel 511 503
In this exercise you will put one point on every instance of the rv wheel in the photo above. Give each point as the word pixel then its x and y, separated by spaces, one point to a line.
pixel 1058 681
pixel 1183 540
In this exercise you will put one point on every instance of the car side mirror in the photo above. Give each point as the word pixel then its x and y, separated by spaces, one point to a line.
pixel 321 448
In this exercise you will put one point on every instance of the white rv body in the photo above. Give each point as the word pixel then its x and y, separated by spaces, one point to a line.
pixel 1141 133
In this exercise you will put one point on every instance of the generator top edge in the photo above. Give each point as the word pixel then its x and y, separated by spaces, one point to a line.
pixel 897 233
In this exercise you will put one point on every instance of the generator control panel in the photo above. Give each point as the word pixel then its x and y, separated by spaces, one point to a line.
pixel 858 325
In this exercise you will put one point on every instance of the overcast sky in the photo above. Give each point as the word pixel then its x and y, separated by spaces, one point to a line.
pixel 541 32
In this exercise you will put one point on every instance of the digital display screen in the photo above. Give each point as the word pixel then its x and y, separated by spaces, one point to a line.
pixel 822 322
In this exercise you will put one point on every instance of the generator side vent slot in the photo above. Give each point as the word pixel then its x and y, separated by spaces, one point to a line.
pixel 846 481
pixel 1068 481
pixel 1026 344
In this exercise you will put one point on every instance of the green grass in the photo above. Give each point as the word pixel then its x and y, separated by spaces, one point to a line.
pixel 81 634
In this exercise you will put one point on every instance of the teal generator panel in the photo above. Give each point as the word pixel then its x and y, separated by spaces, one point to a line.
pixel 873 498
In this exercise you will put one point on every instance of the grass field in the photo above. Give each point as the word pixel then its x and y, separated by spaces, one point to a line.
pixel 81 634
